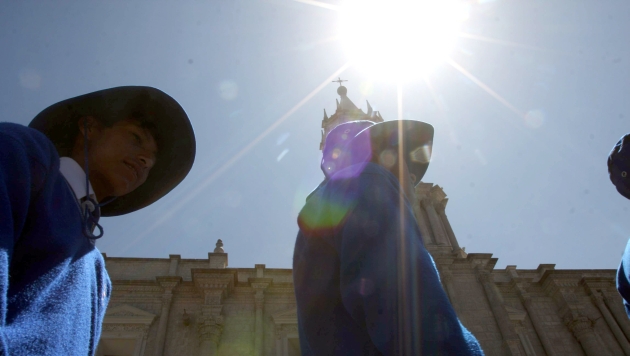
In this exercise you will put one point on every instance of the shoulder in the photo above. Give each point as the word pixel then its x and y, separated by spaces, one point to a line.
pixel 373 182
pixel 16 139
pixel 328 207
pixel 344 187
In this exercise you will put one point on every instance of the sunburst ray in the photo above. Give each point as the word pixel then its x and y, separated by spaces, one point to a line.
pixel 488 90
pixel 319 4
pixel 216 174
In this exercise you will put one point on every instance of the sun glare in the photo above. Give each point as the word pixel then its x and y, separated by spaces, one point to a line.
pixel 400 39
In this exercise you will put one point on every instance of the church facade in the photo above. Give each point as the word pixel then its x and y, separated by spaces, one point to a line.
pixel 204 307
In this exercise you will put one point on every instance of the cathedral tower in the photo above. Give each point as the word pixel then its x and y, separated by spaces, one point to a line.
pixel 346 111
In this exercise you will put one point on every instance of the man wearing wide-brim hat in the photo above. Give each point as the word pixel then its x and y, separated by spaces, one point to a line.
pixel 364 283
pixel 105 153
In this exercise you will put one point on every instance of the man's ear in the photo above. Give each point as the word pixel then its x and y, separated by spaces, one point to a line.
pixel 90 124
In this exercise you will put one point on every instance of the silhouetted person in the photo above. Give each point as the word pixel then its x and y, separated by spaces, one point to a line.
pixel 364 283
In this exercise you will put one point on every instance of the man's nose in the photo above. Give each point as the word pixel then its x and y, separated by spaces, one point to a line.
pixel 146 160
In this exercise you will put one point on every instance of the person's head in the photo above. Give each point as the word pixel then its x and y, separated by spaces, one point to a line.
pixel 140 143
pixel 619 166
pixel 120 154
pixel 387 157
pixel 341 150
pixel 382 143
pixel 403 147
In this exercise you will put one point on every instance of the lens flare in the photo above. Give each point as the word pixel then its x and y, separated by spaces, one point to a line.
pixel 535 118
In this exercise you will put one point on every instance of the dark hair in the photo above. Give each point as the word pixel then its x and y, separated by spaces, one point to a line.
pixel 146 122
pixel 71 129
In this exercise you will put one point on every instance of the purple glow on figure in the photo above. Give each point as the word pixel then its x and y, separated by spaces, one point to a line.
pixel 345 154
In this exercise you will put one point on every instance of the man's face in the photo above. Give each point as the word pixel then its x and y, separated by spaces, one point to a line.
pixel 388 158
pixel 120 157
pixel 408 181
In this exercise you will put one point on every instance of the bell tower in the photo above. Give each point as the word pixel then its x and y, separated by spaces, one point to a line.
pixel 346 111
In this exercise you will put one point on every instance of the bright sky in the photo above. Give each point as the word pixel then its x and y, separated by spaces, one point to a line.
pixel 526 110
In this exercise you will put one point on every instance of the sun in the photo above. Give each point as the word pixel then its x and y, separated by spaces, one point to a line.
pixel 400 39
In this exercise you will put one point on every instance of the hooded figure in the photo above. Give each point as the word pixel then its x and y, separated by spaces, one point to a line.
pixel 619 172
pixel 109 152
pixel 364 283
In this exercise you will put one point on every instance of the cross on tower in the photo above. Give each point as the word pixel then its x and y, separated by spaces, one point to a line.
pixel 339 81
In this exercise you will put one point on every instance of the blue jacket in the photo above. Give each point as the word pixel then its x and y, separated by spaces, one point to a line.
pixel 53 285
pixel 364 283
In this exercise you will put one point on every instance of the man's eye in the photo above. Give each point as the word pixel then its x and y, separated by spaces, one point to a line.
pixel 137 137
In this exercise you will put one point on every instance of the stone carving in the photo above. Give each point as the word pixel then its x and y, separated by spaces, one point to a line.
pixel 210 331
pixel 582 328
pixel 213 299
pixel 127 314
pixel 122 313
pixel 125 327
pixel 146 289
pixel 219 247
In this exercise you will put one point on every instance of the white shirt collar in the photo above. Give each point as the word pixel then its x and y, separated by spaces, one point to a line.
pixel 74 174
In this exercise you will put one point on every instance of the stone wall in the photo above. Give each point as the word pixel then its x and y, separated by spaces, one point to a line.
pixel 512 311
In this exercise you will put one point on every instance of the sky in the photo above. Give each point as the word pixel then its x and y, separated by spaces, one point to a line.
pixel 535 95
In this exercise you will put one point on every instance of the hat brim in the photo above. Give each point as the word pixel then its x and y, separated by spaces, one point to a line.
pixel 416 138
pixel 176 138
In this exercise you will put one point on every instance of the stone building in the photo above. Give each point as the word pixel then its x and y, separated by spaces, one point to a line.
pixel 175 306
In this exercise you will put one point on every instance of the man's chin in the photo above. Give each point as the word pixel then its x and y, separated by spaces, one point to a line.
pixel 122 187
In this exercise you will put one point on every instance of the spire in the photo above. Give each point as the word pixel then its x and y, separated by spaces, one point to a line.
pixel 346 111
pixel 346 103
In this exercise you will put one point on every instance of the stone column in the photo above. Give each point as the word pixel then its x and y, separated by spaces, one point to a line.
pixel 447 280
pixel 527 345
pixel 259 301
pixel 436 225
pixel 422 222
pixel 610 320
pixel 441 210
pixel 259 285
pixel 168 283
pixel 141 343
pixel 510 338
pixel 215 284
pixel 582 329
pixel 571 310
pixel 526 299
pixel 618 311
pixel 211 325
pixel 538 325
pixel 174 265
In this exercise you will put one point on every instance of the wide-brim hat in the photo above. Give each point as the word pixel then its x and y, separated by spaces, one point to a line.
pixel 175 136
pixel 619 166
pixel 413 138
